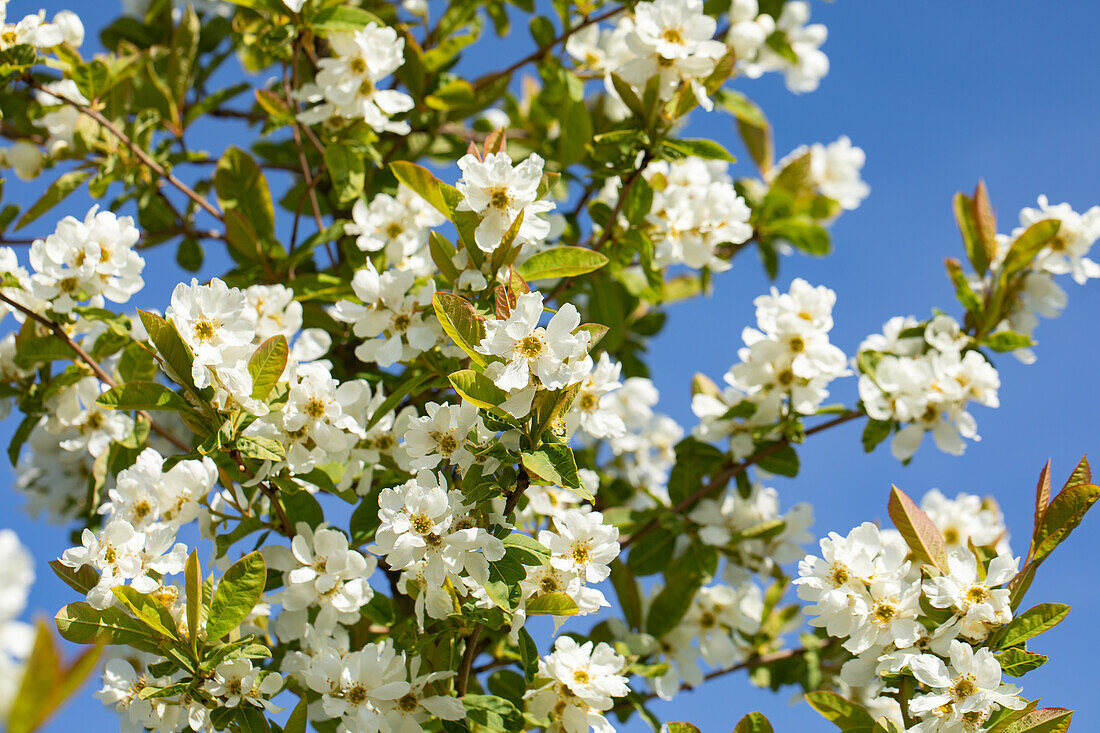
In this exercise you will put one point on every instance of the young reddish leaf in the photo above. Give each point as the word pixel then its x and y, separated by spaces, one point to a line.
pixel 1042 500
pixel 919 531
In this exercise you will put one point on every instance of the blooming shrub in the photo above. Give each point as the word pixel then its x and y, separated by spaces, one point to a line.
pixel 330 487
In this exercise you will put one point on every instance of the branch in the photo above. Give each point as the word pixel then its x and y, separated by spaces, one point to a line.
pixel 463 678
pixel 137 151
pixel 103 376
pixel 533 56
pixel 731 470
pixel 523 481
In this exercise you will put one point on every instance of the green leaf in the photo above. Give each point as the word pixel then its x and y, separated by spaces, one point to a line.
pixel 341 19
pixel 193 582
pixel 261 448
pixel 676 727
pixel 148 610
pixel 874 432
pixel 347 169
pixel 1062 516
pixel 443 254
pixel 919 531
pixel 251 720
pixel 55 194
pixel 1017 662
pixel 626 589
pixel 477 389
pixel 695 461
pixel 840 711
pixel 963 292
pixel 783 462
pixel 702 148
pixel 555 603
pixel 1043 720
pixel 755 131
pixel 554 462
pixel 527 550
pixel 173 350
pixel 246 200
pixel 561 262
pixel 421 180
pixel 652 553
pixel 803 232
pixel 668 608
pixel 237 594
pixel 80 623
pixel 298 719
pixel 1023 251
pixel 529 655
pixel 81 579
pixel 267 364
pixel 143 396
pixel 753 723
pixel 1031 623
pixel 462 323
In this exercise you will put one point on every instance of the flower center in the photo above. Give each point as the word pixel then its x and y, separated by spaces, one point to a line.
pixel 839 575
pixel 366 88
pixel 977 594
pixel 581 677
pixel 785 377
pixel 588 401
pixel 357 695
pixel 408 703
pixel 421 524
pixel 358 66
pixel 673 35
pixel 548 585
pixel 707 620
pixel 499 198
pixel 447 444
pixel 530 346
pixel 951 535
pixel 204 330
pixel 580 553
pixel 401 322
pixel 797 344
pixel 884 613
pixel 315 408
pixel 68 285
pixel 963 688
pixel 394 230
pixel 142 509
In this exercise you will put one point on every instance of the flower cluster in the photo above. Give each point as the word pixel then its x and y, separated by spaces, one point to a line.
pixel 765 43
pixel 923 378
pixel 834 170
pixel 137 544
pixel 866 591
pixel 786 365
pixel 397 226
pixel 347 85
pixel 580 681
pixel 499 193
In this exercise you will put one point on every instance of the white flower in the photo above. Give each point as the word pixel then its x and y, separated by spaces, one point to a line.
pixel 811 64
pixel 237 681
pixel 672 40
pixel 582 681
pixel 443 434
pixel 581 543
pixel 398 225
pixel 966 519
pixel 320 570
pixel 348 83
pixel 498 192
pixel 1076 235
pixel 716 614
pixel 395 318
pixel 552 354
pixel 85 259
pixel 355 687
pixel 593 409
pixel 24 158
pixel 115 551
pixel 212 322
pixel 979 601
pixel 835 170
pixel 968 690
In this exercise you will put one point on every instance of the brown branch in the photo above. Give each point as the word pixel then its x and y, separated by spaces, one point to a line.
pixel 137 151
pixel 523 481
pixel 273 496
pixel 731 470
pixel 97 370
pixel 463 678
pixel 543 50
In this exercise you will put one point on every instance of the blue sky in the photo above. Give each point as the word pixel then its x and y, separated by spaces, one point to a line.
pixel 939 94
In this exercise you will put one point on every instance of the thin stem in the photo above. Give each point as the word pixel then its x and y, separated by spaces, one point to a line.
pixel 137 151
pixel 543 50
pixel 523 481
pixel 463 678
pixel 97 370
pixel 731 470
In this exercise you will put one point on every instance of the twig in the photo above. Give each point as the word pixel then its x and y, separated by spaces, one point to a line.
pixel 468 655
pixel 542 50
pixel 103 376
pixel 273 496
pixel 523 481
pixel 137 151
pixel 731 470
